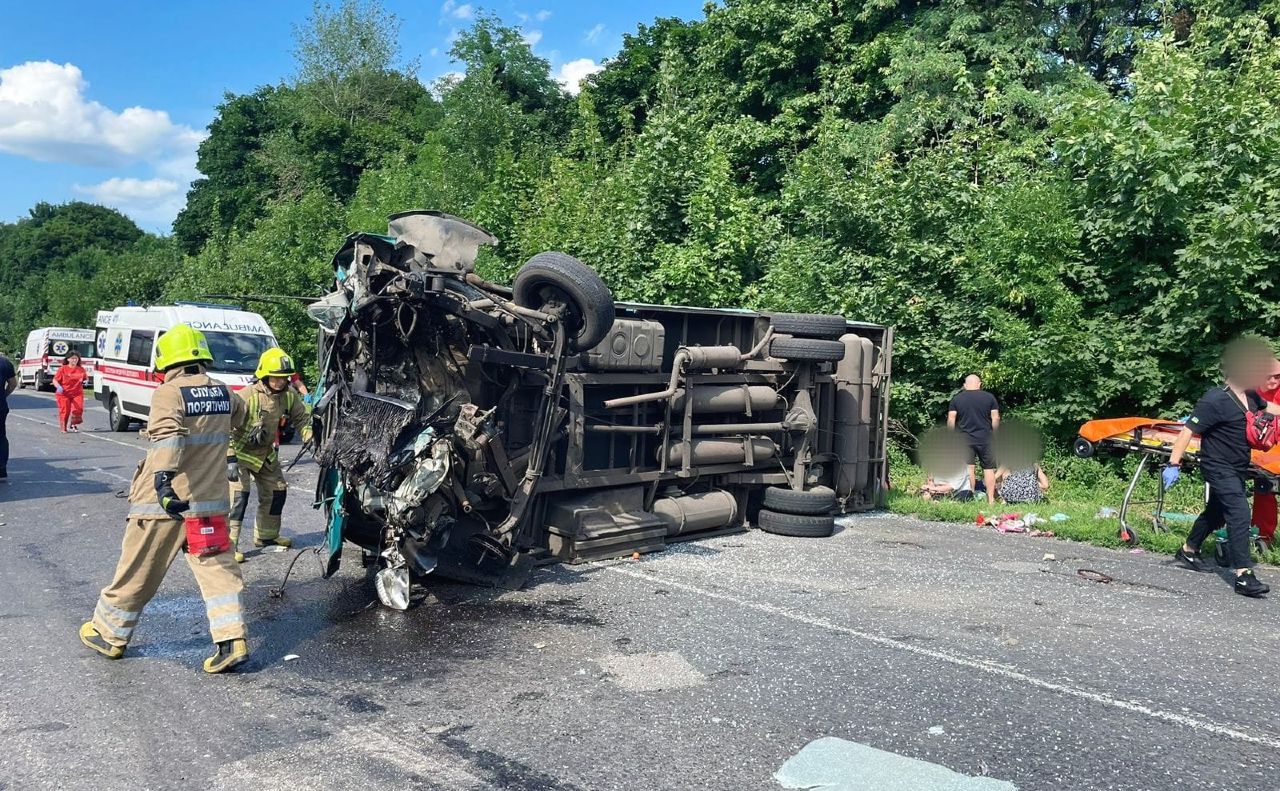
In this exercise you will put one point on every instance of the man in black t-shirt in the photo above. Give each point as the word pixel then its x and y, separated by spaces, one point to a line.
pixel 8 383
pixel 1219 421
pixel 976 413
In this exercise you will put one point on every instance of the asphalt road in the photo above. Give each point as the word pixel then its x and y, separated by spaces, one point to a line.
pixel 708 666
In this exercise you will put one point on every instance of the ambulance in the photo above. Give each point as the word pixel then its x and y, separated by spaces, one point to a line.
pixel 45 349
pixel 126 372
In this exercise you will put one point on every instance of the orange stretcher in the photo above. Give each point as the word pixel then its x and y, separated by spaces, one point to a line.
pixel 1153 438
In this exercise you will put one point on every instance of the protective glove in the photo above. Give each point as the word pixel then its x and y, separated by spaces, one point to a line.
pixel 57 389
pixel 233 468
pixel 1169 476
pixel 257 435
pixel 168 497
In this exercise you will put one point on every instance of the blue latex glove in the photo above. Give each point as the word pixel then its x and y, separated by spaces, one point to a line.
pixel 57 389
pixel 1169 475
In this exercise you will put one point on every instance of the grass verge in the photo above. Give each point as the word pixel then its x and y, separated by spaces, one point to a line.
pixel 1080 501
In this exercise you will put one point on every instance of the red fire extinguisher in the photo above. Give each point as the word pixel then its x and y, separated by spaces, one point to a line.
pixel 207 535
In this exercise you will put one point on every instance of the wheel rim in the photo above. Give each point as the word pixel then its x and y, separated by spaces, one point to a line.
pixel 558 303
pixel 115 410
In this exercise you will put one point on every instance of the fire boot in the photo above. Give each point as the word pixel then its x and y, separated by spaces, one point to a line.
pixel 227 654
pixel 266 530
pixel 234 528
pixel 93 640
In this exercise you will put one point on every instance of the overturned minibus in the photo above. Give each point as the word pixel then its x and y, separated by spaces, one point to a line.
pixel 473 430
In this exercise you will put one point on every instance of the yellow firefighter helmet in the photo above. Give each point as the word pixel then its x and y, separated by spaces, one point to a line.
pixel 274 362
pixel 180 345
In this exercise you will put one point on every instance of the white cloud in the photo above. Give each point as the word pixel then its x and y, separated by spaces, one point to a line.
pixel 149 201
pixel 574 72
pixel 44 115
pixel 593 35
pixel 532 38
pixel 452 8
pixel 543 15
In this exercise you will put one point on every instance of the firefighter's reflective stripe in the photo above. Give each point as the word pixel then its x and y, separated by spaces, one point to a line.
pixel 214 438
pixel 223 621
pixel 253 462
pixel 117 622
pixel 224 611
pixel 198 508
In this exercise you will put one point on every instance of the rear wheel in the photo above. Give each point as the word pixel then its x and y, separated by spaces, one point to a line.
pixel 818 500
pixel 797 349
pixel 1083 447
pixel 42 382
pixel 796 525
pixel 561 284
pixel 116 417
pixel 808 325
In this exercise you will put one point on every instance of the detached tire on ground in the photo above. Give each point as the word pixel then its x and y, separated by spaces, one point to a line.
pixel 796 525
pixel 806 349
pixel 809 325
pixel 820 500
pixel 552 282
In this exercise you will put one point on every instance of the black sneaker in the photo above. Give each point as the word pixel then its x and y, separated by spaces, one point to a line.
pixel 1191 561
pixel 1248 584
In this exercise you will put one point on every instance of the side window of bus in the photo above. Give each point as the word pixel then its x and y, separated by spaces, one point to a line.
pixel 140 348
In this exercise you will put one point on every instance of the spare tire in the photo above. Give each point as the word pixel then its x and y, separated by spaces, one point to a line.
pixel 786 348
pixel 809 325
pixel 818 500
pixel 559 283
pixel 797 525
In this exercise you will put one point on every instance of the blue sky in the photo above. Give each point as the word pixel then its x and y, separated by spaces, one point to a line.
pixel 106 102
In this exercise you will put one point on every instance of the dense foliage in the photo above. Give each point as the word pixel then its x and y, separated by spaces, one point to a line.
pixel 1079 201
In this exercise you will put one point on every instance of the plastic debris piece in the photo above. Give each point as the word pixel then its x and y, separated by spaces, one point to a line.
pixel 539 645
pixel 937 730
pixel 635 555
pixel 1049 556
pixel 1059 517
pixel 1137 551
pixel 290 657
pixel 1106 513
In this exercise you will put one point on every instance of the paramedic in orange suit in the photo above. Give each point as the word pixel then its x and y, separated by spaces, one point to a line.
pixel 68 382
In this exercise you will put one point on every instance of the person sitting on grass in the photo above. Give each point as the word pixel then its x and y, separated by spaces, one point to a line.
pixel 1027 485
pixel 954 487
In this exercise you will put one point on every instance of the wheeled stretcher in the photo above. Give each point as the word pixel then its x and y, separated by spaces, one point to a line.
pixel 1153 438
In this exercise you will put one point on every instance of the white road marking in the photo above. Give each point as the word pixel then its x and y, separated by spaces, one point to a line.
pixel 1002 671
pixel 82 433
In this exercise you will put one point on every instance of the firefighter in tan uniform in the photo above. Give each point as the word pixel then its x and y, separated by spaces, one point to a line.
pixel 180 487
pixel 267 401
